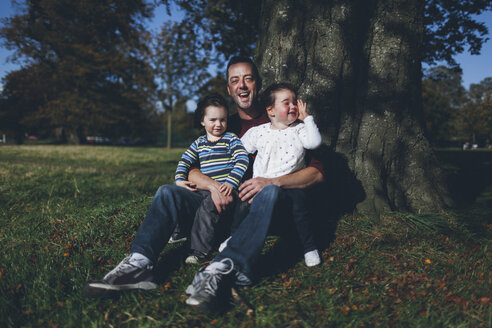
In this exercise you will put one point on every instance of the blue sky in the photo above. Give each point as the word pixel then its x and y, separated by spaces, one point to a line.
pixel 475 68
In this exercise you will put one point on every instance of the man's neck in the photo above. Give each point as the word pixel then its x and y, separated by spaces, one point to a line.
pixel 249 114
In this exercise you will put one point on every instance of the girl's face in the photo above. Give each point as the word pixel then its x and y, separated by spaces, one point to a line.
pixel 284 111
pixel 215 122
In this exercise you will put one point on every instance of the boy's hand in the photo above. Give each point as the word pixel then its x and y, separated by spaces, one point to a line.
pixel 186 184
pixel 226 189
pixel 301 106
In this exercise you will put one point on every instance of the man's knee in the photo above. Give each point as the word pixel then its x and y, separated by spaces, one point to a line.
pixel 168 191
pixel 270 192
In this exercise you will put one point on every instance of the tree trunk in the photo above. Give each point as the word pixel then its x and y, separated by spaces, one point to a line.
pixel 169 129
pixel 169 108
pixel 357 64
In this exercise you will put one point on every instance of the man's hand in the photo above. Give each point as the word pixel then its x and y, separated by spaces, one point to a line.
pixel 226 189
pixel 186 184
pixel 206 183
pixel 249 188
pixel 301 106
pixel 220 200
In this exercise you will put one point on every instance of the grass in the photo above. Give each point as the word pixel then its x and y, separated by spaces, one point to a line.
pixel 68 214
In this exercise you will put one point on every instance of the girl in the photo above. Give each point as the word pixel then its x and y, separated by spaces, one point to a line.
pixel 281 146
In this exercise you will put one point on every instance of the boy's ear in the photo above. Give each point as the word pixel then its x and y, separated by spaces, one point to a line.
pixel 270 112
pixel 201 122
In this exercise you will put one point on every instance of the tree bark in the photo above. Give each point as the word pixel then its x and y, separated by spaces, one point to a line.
pixel 357 64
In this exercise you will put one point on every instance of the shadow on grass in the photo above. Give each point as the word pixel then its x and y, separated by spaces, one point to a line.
pixel 170 261
pixel 328 202
pixel 470 179
pixel 468 172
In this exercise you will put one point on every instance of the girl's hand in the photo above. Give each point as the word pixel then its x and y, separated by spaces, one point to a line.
pixel 301 106
pixel 186 184
pixel 226 189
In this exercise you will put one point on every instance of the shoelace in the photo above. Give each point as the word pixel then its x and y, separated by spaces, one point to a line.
pixel 210 282
pixel 120 267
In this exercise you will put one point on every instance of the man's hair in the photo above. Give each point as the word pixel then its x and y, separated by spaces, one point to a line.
pixel 213 99
pixel 244 59
pixel 267 97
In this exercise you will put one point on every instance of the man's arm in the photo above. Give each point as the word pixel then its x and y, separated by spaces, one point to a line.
pixel 206 183
pixel 301 179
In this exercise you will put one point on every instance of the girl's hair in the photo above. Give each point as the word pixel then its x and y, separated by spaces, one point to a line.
pixel 267 97
pixel 213 99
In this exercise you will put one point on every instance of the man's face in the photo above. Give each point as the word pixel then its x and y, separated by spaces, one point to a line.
pixel 241 85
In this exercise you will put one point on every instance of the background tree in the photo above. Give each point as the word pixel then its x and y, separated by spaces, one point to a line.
pixel 183 129
pixel 474 119
pixel 180 66
pixel 442 95
pixel 478 91
pixel 96 78
pixel 23 93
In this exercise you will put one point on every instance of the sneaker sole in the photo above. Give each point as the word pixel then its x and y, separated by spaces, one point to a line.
pixel 98 285
pixel 312 264
pixel 206 307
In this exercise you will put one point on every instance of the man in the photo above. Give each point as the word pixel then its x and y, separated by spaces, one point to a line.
pixel 172 205
pixel 264 194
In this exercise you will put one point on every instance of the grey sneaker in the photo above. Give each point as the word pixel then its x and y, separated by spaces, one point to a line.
pixel 123 276
pixel 209 284
pixel 240 280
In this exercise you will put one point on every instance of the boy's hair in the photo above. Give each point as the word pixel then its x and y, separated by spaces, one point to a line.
pixel 244 59
pixel 213 99
pixel 267 97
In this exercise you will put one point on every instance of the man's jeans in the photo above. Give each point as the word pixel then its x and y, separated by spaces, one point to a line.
pixel 248 239
pixel 171 205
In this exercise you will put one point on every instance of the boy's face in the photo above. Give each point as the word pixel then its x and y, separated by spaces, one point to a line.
pixel 241 85
pixel 215 122
pixel 284 111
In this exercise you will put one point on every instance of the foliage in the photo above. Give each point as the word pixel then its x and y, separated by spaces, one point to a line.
pixel 450 27
pixel 217 84
pixel 228 26
pixel 94 74
pixel 68 214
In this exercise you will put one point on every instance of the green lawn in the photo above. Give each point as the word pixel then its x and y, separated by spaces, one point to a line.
pixel 69 214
